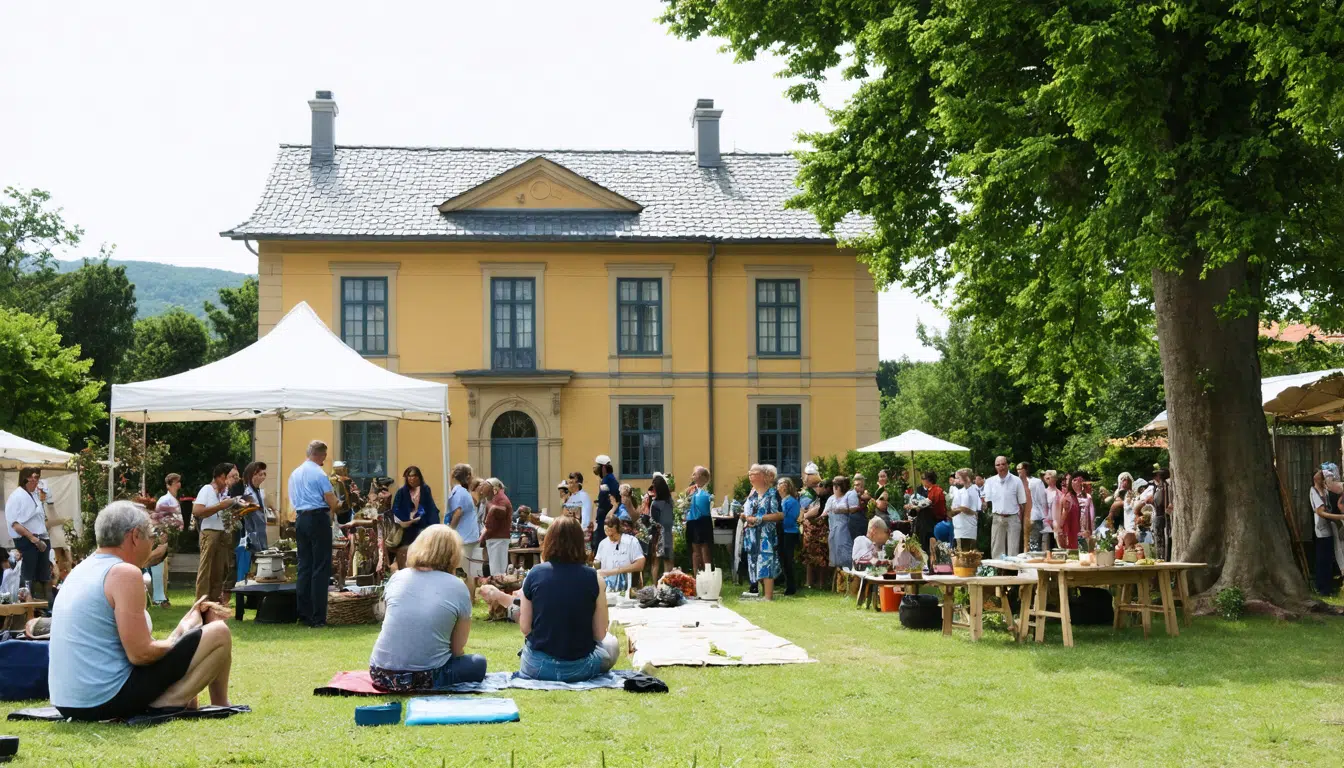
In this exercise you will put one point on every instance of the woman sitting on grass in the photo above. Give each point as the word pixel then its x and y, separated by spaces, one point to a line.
pixel 422 645
pixel 563 612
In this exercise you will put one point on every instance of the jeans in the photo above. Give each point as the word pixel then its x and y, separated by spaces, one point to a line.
pixel 1005 536
pixel 312 533
pixel 788 544
pixel 543 666
pixel 156 579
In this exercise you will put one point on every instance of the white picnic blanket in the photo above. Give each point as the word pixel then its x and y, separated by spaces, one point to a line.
pixel 683 636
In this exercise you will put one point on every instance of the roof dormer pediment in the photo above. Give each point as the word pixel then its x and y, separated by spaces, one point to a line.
pixel 538 185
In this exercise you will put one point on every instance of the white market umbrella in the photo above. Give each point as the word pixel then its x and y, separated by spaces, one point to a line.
pixel 912 441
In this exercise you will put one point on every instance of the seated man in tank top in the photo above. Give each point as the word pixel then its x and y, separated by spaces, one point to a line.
pixel 105 664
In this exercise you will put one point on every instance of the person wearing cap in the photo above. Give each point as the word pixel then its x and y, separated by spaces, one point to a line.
pixel 608 491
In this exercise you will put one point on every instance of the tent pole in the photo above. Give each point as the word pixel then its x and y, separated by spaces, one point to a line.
pixel 443 439
pixel 111 454
pixel 144 447
pixel 280 470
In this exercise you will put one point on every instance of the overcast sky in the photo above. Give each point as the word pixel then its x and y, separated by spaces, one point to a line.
pixel 154 124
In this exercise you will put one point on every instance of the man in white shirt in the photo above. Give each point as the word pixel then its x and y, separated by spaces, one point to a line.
pixel 1036 506
pixel 25 517
pixel 210 501
pixel 1008 501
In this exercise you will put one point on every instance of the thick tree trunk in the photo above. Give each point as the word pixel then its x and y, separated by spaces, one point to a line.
pixel 1227 509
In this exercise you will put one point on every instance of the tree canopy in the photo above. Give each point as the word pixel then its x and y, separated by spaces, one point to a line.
pixel 1069 172
pixel 46 393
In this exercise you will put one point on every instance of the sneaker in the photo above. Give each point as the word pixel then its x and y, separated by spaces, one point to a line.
pixel 751 596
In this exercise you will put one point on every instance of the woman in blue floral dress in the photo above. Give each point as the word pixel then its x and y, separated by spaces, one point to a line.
pixel 761 516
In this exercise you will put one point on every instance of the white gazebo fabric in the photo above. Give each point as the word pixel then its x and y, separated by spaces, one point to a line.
pixel 1290 396
pixel 912 441
pixel 16 451
pixel 300 370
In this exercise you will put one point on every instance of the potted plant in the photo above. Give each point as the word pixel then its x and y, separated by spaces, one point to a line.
pixel 1104 548
pixel 965 562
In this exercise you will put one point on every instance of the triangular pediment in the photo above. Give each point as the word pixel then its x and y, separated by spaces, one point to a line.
pixel 539 185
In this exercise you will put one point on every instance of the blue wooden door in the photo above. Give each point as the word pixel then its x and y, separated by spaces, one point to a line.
pixel 513 457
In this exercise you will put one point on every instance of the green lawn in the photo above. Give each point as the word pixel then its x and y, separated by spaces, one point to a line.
pixel 1224 693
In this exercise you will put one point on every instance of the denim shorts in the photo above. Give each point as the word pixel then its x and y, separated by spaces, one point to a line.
pixel 539 665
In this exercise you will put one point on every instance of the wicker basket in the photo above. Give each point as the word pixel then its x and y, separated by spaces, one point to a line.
pixel 349 608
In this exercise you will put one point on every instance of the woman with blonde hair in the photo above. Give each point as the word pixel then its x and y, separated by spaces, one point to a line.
pixel 422 645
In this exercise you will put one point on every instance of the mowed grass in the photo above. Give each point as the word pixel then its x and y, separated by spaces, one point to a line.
pixel 1253 692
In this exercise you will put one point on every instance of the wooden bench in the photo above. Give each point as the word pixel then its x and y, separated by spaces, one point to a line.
pixel 975 587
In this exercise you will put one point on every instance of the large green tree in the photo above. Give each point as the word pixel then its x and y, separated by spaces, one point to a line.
pixel 972 400
pixel 235 321
pixel 95 308
pixel 1073 168
pixel 45 390
pixel 169 344
pixel 30 234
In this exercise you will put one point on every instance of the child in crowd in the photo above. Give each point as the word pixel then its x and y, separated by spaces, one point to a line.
pixel 9 582
pixel 528 534
pixel 965 506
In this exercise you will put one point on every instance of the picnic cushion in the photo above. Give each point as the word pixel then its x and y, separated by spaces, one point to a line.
pixel 455 710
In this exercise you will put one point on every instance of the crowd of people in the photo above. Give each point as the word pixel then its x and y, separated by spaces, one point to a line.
pixel 105 662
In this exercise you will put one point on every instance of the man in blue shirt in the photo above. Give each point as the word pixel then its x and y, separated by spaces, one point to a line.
pixel 313 498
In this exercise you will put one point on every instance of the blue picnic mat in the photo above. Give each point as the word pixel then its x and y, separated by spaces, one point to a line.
pixel 454 710
pixel 357 683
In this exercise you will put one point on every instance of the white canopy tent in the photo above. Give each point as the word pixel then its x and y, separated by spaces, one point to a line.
pixel 300 370
pixel 912 441
pixel 63 482
pixel 1279 394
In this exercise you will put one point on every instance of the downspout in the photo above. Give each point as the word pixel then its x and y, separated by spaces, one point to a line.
pixel 709 376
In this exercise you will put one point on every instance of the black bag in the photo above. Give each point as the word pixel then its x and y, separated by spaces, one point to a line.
pixel 921 612
pixel 1091 607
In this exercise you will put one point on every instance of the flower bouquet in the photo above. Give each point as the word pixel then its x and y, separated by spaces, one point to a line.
pixel 167 523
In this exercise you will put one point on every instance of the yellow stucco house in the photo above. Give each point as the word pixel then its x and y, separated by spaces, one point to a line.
pixel 664 308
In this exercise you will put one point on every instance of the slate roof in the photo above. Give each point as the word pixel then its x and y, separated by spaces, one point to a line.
pixel 393 193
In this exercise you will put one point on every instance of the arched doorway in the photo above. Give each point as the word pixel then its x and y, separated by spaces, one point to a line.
pixel 513 456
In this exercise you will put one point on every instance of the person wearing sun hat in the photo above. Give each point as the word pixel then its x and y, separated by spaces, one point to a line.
pixel 608 492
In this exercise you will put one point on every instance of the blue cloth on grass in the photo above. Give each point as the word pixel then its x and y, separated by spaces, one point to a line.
pixel 23 670
pixel 452 710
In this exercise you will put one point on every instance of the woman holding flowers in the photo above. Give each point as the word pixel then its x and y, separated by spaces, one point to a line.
pixel 167 523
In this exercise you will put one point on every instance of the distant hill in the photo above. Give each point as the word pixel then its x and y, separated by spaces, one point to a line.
pixel 160 287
